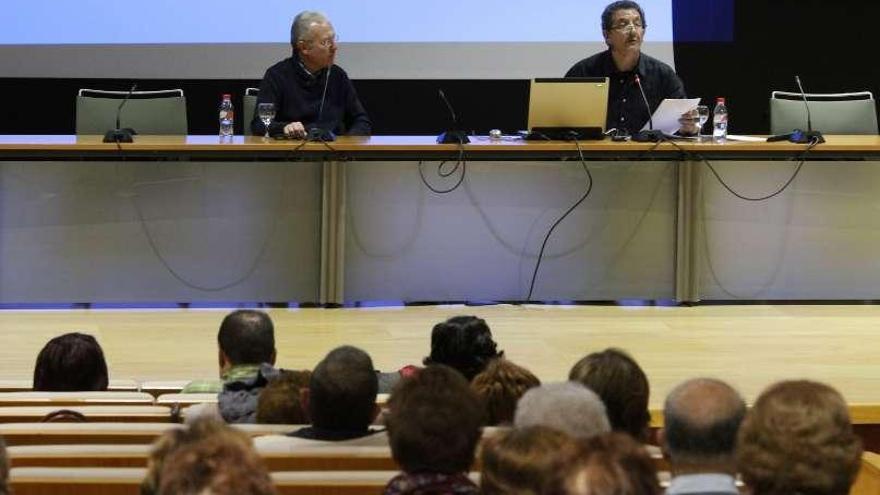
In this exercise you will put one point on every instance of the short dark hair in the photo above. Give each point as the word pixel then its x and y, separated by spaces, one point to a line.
pixel 619 380
pixel 247 337
pixel 71 362
pixel 463 343
pixel 608 13
pixel 434 421
pixel 279 401
pixel 608 464
pixel 342 390
pixel 701 418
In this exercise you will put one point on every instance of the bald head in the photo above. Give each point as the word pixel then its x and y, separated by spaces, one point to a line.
pixel 701 418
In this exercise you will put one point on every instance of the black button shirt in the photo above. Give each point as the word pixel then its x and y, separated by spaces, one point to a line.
pixel 626 109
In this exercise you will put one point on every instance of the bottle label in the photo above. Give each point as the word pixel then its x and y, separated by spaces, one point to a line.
pixel 227 114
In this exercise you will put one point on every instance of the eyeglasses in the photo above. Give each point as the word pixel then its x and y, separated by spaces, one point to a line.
pixel 327 42
pixel 628 26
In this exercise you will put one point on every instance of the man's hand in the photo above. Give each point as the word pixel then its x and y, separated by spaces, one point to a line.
pixel 690 123
pixel 295 130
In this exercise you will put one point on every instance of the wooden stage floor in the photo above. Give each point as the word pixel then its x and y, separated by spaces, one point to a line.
pixel 749 346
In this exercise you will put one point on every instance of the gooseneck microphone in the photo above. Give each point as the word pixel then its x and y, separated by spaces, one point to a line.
pixel 455 134
pixel 649 136
pixel 119 135
pixel 315 132
pixel 811 135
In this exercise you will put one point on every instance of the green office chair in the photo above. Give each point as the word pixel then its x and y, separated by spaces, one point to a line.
pixel 834 113
pixel 250 106
pixel 147 112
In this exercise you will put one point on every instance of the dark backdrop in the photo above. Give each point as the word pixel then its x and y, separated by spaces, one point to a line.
pixel 737 49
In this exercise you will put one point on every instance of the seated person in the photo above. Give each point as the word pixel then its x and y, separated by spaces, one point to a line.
pixel 308 90
pixel 499 387
pixel 609 464
pixel 73 362
pixel 623 26
pixel 463 343
pixel 212 459
pixel 523 460
pixel 341 403
pixel 798 438
pixel 619 380
pixel 246 354
pixel 567 406
pixel 279 402
pixel 434 422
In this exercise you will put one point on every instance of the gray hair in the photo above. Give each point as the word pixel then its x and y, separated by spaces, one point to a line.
pixel 567 406
pixel 302 24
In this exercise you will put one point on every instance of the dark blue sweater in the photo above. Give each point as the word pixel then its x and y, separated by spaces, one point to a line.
pixel 297 98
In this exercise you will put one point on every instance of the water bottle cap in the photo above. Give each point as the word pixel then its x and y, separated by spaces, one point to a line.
pixel 721 99
pixel 227 96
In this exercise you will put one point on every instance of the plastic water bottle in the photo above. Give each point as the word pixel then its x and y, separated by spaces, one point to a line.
pixel 227 116
pixel 719 119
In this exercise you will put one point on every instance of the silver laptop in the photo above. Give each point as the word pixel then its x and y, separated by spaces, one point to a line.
pixel 568 108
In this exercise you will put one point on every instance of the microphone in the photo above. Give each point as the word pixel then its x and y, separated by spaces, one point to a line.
pixel 454 135
pixel 810 136
pixel 315 132
pixel 119 135
pixel 649 136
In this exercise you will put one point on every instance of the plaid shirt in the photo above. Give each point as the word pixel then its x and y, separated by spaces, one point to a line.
pixel 235 373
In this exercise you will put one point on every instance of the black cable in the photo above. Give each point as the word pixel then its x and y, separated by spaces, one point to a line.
pixel 560 219
pixel 460 163
pixel 791 179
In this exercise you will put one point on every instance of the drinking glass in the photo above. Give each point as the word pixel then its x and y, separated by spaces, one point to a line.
pixel 266 111
pixel 703 112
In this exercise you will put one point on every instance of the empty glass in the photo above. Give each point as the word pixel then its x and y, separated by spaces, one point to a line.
pixel 266 112
pixel 703 112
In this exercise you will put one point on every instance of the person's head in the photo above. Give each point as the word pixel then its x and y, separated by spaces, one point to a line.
pixel 521 461
pixel 434 422
pixel 701 420
pixel 623 387
pixel 246 337
pixel 567 406
pixel 313 38
pixel 500 386
pixel 342 391
pixel 610 464
pixel 623 26
pixel 279 401
pixel 213 458
pixel 71 362
pixel 798 438
pixel 464 343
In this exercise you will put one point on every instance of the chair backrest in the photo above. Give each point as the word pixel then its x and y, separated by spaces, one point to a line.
pixel 147 112
pixel 184 400
pixel 250 105
pixel 868 480
pixel 835 113
pixel 106 398
pixel 26 384
pixel 123 414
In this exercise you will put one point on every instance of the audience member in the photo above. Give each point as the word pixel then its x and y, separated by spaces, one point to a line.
pixel 568 407
pixel 217 460
pixel 610 464
pixel 341 402
pixel 69 363
pixel 463 343
pixel 701 420
pixel 500 386
pixel 246 342
pixel 522 460
pixel 279 402
pixel 798 438
pixel 434 425
pixel 4 469
pixel 623 387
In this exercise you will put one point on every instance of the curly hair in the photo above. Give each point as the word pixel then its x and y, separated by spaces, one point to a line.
pixel 522 460
pixel 798 439
pixel 464 343
pixel 619 380
pixel 500 386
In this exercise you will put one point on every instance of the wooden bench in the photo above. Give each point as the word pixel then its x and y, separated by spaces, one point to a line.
pixel 185 400
pixel 26 385
pixel 123 414
pixel 868 480
pixel 106 433
pixel 115 398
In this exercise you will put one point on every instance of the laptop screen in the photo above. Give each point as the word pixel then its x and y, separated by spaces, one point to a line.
pixel 568 103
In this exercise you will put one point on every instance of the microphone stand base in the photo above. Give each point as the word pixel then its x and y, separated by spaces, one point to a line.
pixel 119 136
pixel 806 137
pixel 652 136
pixel 453 137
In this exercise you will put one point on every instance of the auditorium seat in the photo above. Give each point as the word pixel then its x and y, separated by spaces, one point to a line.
pixel 184 400
pixel 868 481
pixel 26 384
pixel 123 414
pixel 250 103
pixel 31 398
pixel 147 112
pixel 159 387
pixel 105 432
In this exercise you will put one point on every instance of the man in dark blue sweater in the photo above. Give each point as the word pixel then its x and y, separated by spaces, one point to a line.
pixel 308 90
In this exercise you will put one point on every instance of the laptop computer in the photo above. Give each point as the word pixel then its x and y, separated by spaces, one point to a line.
pixel 568 108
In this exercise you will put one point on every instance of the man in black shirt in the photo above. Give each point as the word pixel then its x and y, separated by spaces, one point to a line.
pixel 308 90
pixel 623 25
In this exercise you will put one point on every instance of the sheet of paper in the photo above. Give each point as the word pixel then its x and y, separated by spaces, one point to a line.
pixel 751 139
pixel 667 114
